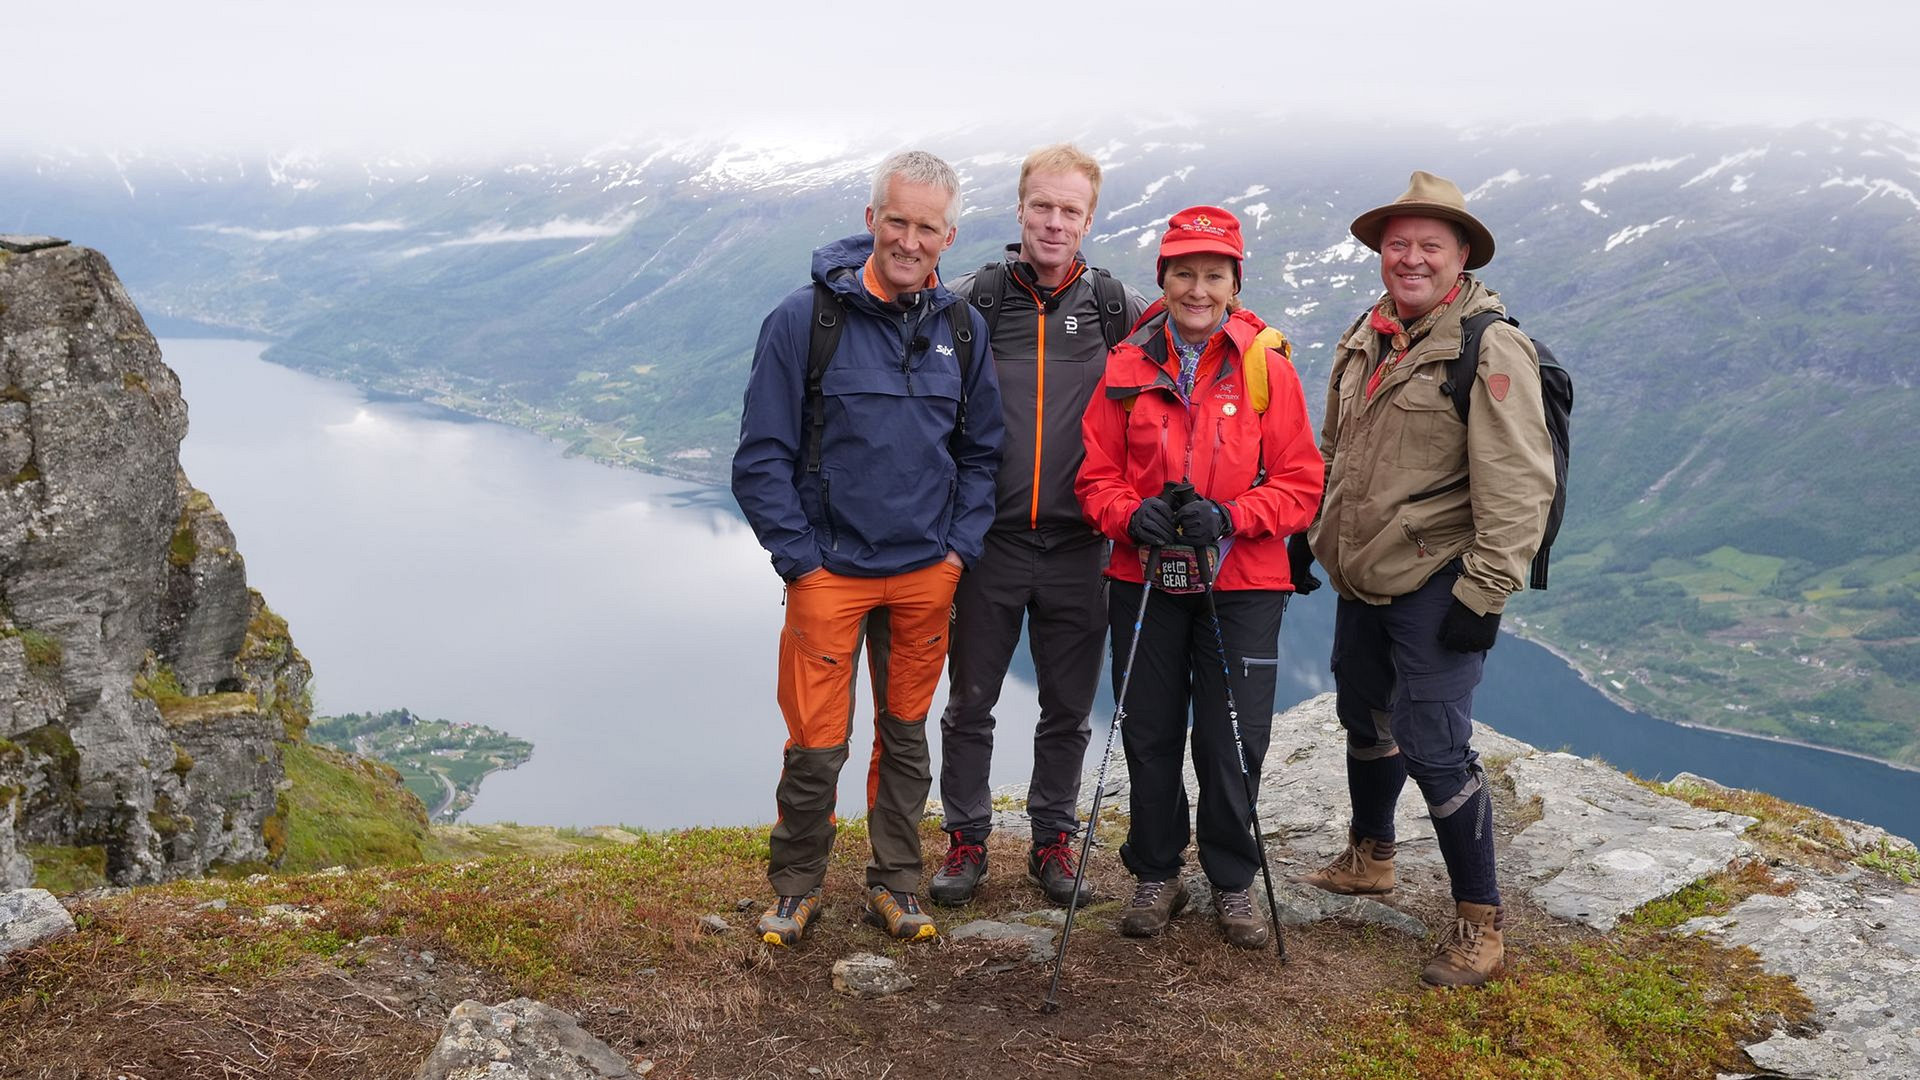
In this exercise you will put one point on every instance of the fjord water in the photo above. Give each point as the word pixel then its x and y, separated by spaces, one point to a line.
pixel 626 624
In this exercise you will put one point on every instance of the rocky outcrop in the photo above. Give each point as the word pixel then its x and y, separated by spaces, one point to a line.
pixel 144 689
pixel 520 1039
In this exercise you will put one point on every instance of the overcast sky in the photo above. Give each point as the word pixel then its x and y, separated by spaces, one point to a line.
pixel 499 75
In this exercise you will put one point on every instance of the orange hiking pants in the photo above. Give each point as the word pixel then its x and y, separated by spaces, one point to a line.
pixel 904 621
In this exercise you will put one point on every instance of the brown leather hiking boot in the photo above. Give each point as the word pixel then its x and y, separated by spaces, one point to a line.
pixel 1241 923
pixel 1153 906
pixel 1471 951
pixel 1364 869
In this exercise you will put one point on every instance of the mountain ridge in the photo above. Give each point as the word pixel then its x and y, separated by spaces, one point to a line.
pixel 1728 297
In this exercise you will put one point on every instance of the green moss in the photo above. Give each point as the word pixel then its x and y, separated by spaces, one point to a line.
pixel 1902 864
pixel 345 811
pixel 183 548
pixel 28 474
pixel 61 870
pixel 133 381
pixel 182 762
pixel 52 743
pixel 12 392
pixel 44 651
pixel 10 752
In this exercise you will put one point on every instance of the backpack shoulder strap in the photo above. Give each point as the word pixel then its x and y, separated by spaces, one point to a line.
pixel 1461 369
pixel 823 339
pixel 990 293
pixel 1112 298
pixel 1254 361
pixel 960 323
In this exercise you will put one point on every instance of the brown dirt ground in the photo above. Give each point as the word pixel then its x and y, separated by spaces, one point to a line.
pixel 1185 1004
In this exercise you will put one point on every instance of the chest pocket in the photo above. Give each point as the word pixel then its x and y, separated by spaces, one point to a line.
pixel 1431 436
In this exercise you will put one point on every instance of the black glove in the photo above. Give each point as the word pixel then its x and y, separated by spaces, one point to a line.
pixel 1204 521
pixel 1300 565
pixel 1463 631
pixel 1152 523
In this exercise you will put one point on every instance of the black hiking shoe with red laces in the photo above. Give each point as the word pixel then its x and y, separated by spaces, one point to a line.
pixel 961 875
pixel 1050 866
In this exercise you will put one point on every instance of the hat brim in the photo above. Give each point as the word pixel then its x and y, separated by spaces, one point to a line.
pixel 1368 226
pixel 1198 245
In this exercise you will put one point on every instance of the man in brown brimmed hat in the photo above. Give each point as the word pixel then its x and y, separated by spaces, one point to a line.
pixel 1428 524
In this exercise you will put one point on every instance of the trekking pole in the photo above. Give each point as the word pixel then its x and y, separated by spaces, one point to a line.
pixel 1051 1004
pixel 1240 751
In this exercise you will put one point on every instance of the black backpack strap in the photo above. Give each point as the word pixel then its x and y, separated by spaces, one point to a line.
pixel 829 317
pixel 1112 298
pixel 1461 369
pixel 960 323
pixel 990 294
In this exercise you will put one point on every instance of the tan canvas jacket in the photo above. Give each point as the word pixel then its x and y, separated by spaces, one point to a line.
pixel 1410 487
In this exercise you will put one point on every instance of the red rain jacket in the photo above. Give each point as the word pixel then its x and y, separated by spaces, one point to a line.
pixel 1140 436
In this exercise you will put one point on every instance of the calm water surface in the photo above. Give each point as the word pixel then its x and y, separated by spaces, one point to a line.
pixel 626 624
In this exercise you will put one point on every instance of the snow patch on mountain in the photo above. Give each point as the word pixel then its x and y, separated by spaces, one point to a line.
pixel 1150 191
pixel 1633 232
pixel 1655 165
pixel 1258 212
pixel 1873 188
pixel 1252 192
pixel 1505 179
pixel 1728 162
pixel 1589 207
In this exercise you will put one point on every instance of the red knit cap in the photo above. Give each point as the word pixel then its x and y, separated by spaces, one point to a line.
pixel 1201 229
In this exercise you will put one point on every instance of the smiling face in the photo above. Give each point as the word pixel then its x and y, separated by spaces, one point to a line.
pixel 1198 288
pixel 910 231
pixel 1055 213
pixel 1420 259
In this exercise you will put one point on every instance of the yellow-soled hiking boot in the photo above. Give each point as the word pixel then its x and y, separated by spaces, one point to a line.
pixel 1472 951
pixel 1364 869
pixel 787 920
pixel 899 914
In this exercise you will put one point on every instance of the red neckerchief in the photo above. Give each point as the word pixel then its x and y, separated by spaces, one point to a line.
pixel 1401 338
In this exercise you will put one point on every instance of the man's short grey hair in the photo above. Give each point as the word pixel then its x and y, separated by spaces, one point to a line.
pixel 918 167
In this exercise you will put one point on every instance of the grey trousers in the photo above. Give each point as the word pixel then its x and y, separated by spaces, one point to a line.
pixel 1052 580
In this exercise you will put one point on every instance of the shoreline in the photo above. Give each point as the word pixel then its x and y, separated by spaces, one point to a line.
pixel 1610 694
pixel 403 390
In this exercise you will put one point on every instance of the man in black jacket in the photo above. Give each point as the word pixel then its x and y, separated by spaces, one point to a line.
pixel 1051 317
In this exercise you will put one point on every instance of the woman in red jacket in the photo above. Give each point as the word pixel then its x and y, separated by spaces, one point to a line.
pixel 1198 442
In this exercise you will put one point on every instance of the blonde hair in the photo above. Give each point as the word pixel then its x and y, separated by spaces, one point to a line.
pixel 1062 157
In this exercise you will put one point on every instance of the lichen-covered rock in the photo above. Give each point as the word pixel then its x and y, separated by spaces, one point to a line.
pixel 29 917
pixel 520 1039
pixel 147 713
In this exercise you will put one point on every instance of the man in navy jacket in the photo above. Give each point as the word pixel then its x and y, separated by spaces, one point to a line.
pixel 872 494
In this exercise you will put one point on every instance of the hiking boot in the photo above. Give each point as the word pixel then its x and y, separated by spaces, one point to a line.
pixel 899 914
pixel 1050 866
pixel 1364 869
pixel 1242 925
pixel 964 870
pixel 1153 906
pixel 787 920
pixel 1471 951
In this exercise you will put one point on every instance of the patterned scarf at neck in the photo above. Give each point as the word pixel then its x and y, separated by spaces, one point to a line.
pixel 1401 338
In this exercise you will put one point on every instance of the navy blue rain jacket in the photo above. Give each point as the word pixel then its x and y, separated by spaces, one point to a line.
pixel 898 487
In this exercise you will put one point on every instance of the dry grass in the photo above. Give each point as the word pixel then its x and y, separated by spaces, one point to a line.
pixel 356 982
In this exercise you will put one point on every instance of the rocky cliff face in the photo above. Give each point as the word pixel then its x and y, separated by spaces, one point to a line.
pixel 144 689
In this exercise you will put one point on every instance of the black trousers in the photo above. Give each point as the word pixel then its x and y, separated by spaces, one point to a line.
pixel 1177 671
pixel 1052 580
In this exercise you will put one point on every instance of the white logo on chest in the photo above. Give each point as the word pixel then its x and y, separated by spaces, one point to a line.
pixel 1073 324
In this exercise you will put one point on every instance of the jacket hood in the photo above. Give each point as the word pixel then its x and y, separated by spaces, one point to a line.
pixel 837 266
pixel 846 253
